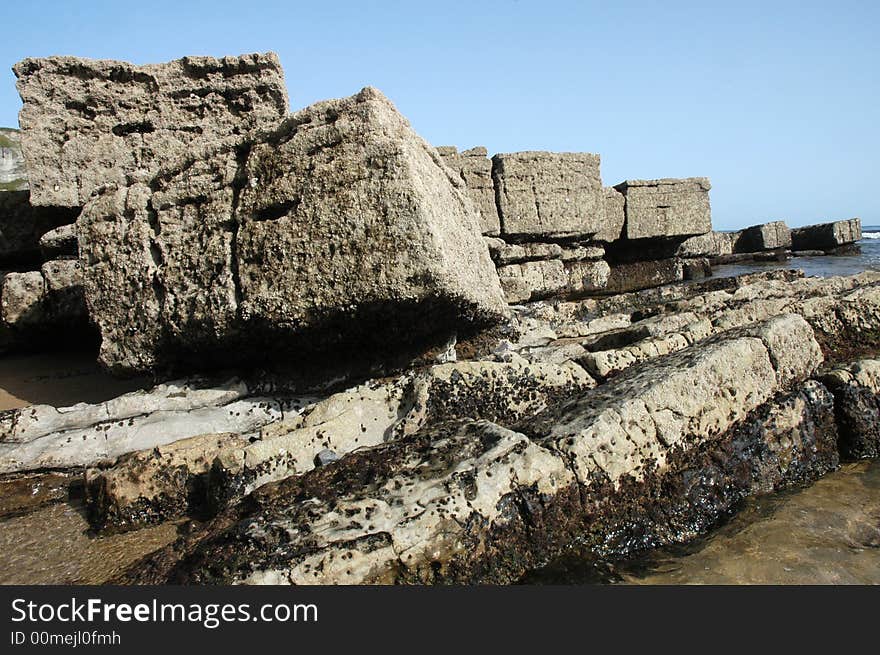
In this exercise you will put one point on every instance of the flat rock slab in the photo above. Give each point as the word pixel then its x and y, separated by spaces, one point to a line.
pixel 666 207
pixel 826 236
pixel 549 193
pixel 88 122
pixel 341 227
pixel 475 168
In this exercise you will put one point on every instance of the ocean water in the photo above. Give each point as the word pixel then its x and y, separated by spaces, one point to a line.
pixel 820 266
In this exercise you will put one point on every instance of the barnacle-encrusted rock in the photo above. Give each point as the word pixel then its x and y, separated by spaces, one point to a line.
pixel 341 229
pixel 856 389
pixel 86 123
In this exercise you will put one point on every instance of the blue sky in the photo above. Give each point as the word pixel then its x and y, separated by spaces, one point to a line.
pixel 776 102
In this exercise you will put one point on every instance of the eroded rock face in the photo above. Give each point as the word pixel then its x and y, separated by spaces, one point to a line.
pixel 43 437
pixel 767 236
pixel 826 236
pixel 341 227
pixel 711 244
pixel 549 194
pixel 471 501
pixel 207 472
pixel 475 169
pixel 86 123
pixel 856 390
pixel 666 207
pixel 21 227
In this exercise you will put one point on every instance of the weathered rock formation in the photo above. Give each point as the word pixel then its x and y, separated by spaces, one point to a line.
pixel 86 123
pixel 609 404
pixel 827 236
pixel 666 208
pixel 767 236
pixel 37 307
pixel 340 229
pixel 549 194
pixel 475 169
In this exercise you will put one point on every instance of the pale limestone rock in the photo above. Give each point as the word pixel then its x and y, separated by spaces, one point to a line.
pixel 342 228
pixel 86 123
pixel 666 207
pixel 475 168
pixel 549 194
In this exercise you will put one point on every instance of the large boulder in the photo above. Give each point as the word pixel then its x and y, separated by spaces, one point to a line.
pixel 767 236
pixel 88 122
pixel 666 207
pixel 475 168
pixel 826 236
pixel 340 233
pixel 549 193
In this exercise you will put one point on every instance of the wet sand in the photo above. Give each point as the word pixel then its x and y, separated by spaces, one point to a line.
pixel 59 379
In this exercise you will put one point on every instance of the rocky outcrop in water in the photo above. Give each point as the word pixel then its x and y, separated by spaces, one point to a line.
pixel 722 401
pixel 827 236
pixel 431 366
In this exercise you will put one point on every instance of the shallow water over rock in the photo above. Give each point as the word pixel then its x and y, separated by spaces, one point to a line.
pixel 53 545
pixel 828 533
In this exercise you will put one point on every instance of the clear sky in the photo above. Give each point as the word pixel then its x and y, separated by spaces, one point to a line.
pixel 776 102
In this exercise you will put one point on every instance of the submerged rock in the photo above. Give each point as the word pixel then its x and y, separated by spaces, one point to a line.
pixel 341 234
pixel 86 123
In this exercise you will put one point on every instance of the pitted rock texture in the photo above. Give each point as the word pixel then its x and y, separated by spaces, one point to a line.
pixel 549 194
pixel 340 227
pixel 856 389
pixel 204 473
pixel 86 123
pixel 43 437
pixel 44 304
pixel 59 242
pixel 150 486
pixel 666 207
pixel 633 276
pixel 826 236
pixel 767 236
pixel 475 169
pixel 21 227
pixel 468 501
pixel 711 244
pixel 615 216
